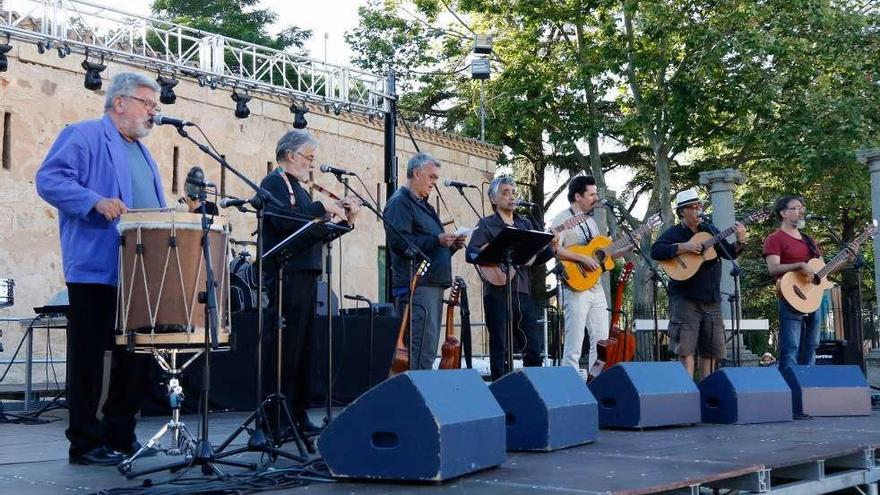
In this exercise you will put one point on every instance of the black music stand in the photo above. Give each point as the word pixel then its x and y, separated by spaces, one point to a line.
pixel 263 439
pixel 512 248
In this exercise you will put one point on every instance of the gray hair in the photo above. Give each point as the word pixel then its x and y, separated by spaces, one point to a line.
pixel 496 184
pixel 293 141
pixel 418 161
pixel 124 84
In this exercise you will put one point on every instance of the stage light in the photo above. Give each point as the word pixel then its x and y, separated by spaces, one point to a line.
pixel 63 51
pixel 92 79
pixel 337 108
pixel 4 62
pixel 166 93
pixel 241 109
pixel 299 115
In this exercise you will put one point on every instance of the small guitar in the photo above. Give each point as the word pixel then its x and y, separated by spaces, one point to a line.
pixel 495 275
pixel 578 278
pixel 400 363
pixel 804 293
pixel 620 346
pixel 684 266
pixel 451 349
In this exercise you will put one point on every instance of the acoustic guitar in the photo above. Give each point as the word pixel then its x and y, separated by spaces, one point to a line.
pixel 400 362
pixel 451 350
pixel 804 293
pixel 578 278
pixel 620 346
pixel 684 266
pixel 495 275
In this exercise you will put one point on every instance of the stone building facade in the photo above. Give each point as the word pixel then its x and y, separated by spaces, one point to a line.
pixel 41 93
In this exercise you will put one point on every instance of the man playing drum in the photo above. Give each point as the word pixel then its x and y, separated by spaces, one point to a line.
pixel 95 171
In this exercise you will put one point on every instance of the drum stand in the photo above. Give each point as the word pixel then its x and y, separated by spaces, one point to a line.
pixel 182 441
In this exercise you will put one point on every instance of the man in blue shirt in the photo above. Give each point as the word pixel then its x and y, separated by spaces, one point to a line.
pixel 95 171
pixel 695 322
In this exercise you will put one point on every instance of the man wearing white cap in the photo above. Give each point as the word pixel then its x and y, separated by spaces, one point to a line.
pixel 695 322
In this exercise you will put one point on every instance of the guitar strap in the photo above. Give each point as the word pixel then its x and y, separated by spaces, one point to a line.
pixel 588 234
pixel 811 245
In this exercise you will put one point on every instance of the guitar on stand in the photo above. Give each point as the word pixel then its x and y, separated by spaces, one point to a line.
pixel 804 293
pixel 578 278
pixel 684 266
pixel 495 275
pixel 451 349
pixel 620 346
pixel 400 363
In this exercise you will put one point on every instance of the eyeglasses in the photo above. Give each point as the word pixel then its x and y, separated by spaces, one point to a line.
pixel 309 158
pixel 801 208
pixel 148 104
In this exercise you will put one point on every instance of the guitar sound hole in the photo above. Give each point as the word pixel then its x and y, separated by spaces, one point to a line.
pixel 797 291
pixel 681 262
pixel 600 256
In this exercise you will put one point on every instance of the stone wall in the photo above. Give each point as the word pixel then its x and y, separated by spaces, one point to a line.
pixel 41 93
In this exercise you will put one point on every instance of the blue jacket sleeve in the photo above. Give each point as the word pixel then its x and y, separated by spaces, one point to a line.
pixel 664 247
pixel 401 217
pixel 60 177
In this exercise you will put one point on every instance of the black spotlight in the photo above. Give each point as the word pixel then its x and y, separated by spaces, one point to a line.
pixel 4 62
pixel 166 93
pixel 299 116
pixel 241 109
pixel 93 73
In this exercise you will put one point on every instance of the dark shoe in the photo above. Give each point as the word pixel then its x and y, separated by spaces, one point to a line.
pixel 305 424
pixel 99 456
pixel 134 447
pixel 802 416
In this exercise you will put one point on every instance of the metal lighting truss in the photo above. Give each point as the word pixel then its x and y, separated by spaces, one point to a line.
pixel 214 60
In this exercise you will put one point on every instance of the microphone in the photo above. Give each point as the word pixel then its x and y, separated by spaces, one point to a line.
pixel 160 119
pixel 810 216
pixel 608 202
pixel 232 202
pixel 455 183
pixel 195 182
pixel 357 297
pixel 706 218
pixel 522 202
pixel 335 170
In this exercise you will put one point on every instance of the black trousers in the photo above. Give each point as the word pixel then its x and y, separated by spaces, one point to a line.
pixel 90 326
pixel 299 298
pixel 525 327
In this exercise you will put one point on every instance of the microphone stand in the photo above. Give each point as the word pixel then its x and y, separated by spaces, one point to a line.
pixel 734 299
pixel 655 277
pixel 258 442
pixel 858 264
pixel 468 201
pixel 412 251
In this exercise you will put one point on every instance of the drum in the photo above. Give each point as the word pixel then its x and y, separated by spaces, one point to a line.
pixel 7 292
pixel 161 272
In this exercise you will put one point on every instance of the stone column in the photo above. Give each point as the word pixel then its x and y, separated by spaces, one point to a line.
pixel 721 185
pixel 871 157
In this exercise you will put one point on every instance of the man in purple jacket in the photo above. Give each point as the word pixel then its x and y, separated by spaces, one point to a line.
pixel 95 171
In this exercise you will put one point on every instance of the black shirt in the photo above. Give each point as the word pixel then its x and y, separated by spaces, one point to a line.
pixel 417 220
pixel 276 228
pixel 487 229
pixel 705 285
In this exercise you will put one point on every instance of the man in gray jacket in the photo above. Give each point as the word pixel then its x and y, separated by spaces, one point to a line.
pixel 412 215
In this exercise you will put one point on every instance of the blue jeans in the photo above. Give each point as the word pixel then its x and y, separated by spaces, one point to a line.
pixel 798 336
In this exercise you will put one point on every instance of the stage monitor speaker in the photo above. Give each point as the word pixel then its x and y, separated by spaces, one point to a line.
pixel 828 390
pixel 546 408
pixel 419 426
pixel 646 395
pixel 745 395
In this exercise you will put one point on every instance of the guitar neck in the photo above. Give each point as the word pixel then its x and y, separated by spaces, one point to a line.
pixel 841 257
pixel 623 240
pixel 569 223
pixel 724 234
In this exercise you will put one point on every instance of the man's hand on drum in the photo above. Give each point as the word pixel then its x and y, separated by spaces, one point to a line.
pixel 111 208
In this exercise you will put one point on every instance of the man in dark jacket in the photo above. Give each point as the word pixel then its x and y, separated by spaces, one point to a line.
pixel 412 215
pixel 695 320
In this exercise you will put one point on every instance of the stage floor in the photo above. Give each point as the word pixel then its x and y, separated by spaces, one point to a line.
pixel 806 456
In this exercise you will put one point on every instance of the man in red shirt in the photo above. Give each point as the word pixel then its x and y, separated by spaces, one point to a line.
pixel 788 249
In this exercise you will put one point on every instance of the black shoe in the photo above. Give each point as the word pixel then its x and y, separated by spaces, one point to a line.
pixel 305 424
pixel 99 456
pixel 802 416
pixel 134 447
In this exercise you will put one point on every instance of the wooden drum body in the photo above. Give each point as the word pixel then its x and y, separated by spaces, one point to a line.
pixel 161 273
